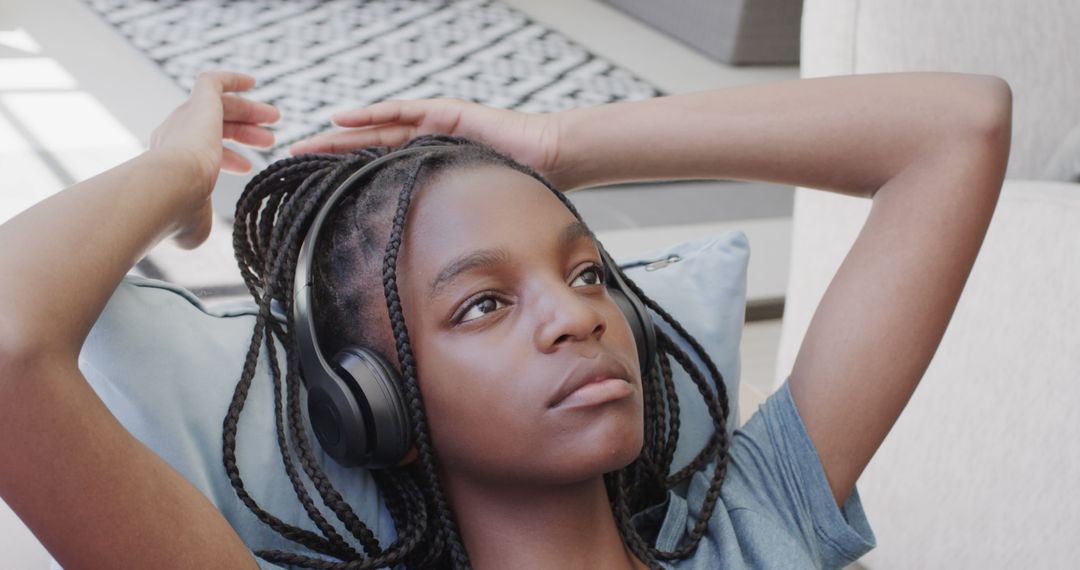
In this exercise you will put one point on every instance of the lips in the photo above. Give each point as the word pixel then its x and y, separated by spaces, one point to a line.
pixel 603 367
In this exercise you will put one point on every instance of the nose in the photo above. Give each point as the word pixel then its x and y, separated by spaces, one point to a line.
pixel 566 316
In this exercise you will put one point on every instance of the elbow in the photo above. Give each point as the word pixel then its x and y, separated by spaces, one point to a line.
pixel 968 126
pixel 990 131
pixel 988 111
pixel 18 351
pixel 983 135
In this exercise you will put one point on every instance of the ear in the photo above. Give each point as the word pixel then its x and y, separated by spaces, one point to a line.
pixel 409 458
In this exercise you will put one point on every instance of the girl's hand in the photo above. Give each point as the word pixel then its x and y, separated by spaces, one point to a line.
pixel 532 139
pixel 192 136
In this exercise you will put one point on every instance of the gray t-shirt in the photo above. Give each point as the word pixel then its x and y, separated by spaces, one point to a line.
pixel 776 509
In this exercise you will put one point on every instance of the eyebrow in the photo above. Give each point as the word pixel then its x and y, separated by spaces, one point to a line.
pixel 570 234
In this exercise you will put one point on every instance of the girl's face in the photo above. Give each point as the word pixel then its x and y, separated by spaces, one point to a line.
pixel 527 368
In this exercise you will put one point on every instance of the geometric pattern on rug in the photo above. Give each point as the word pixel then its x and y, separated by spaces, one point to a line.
pixel 313 58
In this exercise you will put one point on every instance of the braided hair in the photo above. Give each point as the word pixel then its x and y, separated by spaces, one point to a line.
pixel 272 218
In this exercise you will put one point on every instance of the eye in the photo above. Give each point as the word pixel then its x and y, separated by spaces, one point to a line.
pixel 477 308
pixel 591 275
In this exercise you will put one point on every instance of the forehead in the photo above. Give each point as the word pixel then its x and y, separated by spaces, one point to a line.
pixel 480 207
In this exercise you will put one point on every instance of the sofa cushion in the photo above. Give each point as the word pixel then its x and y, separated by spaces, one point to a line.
pixel 166 366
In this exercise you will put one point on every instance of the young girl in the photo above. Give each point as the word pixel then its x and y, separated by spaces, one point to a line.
pixel 499 298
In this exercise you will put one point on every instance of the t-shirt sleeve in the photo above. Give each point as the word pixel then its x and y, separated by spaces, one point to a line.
pixel 264 565
pixel 775 478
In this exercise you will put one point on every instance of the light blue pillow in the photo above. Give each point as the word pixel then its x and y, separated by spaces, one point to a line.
pixel 166 366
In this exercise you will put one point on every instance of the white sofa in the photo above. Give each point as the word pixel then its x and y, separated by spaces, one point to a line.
pixel 982 469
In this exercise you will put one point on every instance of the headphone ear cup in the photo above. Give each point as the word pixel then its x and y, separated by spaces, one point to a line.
pixel 337 417
pixel 357 411
pixel 337 421
pixel 640 324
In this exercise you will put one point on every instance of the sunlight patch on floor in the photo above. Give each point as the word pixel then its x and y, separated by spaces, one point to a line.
pixel 51 133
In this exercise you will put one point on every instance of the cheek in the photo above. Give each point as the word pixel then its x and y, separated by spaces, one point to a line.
pixel 471 387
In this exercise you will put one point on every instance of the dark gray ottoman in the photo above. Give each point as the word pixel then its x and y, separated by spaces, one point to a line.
pixel 738 32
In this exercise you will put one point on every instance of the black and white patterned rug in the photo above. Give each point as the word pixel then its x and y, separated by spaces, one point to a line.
pixel 313 58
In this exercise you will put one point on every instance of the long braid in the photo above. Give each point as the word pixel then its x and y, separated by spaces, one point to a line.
pixel 403 501
pixel 330 495
pixel 405 495
pixel 652 403
pixel 278 265
pixel 335 543
pixel 671 414
pixel 428 464
pixel 716 450
pixel 301 536
pixel 623 514
pixel 326 490
pixel 248 257
pixel 251 245
pixel 309 539
pixel 715 395
pixel 718 441
pixel 341 548
pixel 272 218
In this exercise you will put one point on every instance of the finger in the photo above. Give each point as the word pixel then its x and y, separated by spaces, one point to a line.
pixel 408 112
pixel 241 110
pixel 341 142
pixel 231 161
pixel 222 82
pixel 251 135
pixel 385 112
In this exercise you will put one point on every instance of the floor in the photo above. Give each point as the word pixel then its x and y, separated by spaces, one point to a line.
pixel 68 112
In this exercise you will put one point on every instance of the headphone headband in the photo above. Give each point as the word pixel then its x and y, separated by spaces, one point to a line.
pixel 303 299
pixel 355 405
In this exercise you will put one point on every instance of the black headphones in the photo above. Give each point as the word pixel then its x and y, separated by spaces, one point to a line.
pixel 355 402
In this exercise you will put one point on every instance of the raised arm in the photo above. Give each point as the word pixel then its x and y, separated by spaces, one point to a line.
pixel 930 149
pixel 93 494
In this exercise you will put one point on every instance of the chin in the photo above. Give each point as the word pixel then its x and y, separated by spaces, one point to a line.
pixel 603 446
